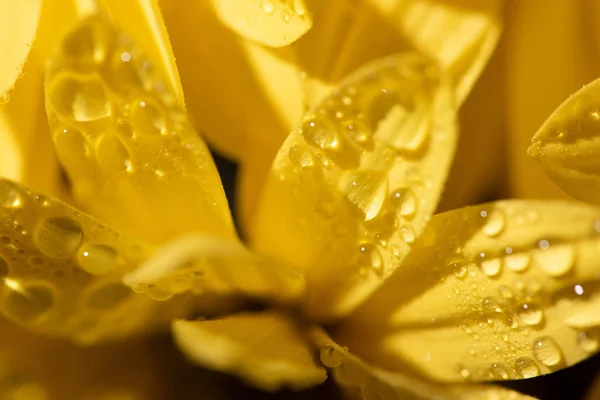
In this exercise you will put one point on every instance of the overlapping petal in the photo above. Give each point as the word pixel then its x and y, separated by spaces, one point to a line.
pixel 274 23
pixel 568 145
pixel 512 285
pixel 264 349
pixel 365 381
pixel 355 184
pixel 133 158
pixel 18 25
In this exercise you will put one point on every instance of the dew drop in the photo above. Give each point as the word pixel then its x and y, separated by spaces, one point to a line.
pixel 556 261
pixel 326 205
pixel 491 267
pixel 320 134
pixel 27 303
pixel 499 372
pixel 111 153
pixel 70 144
pixel 405 201
pixel 108 296
pixel 370 256
pixel 365 190
pixel 59 237
pixel 79 99
pixel 460 269
pixel 9 195
pixel 578 290
pixel 408 234
pixel 268 7
pixel 332 355
pixel 300 158
pixel 517 262
pixel 546 351
pixel 495 224
pixel 588 341
pixel 88 45
pixel 97 259
pixel 491 305
pixel 530 314
pixel 464 372
pixel 526 367
pixel 149 118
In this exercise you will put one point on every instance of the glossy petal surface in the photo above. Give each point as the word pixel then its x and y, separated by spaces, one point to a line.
pixel 133 158
pixel 513 285
pixel 355 183
pixel 274 23
pixel 61 270
pixel 263 349
pixel 204 264
pixel 18 25
pixel 367 382
pixel 568 144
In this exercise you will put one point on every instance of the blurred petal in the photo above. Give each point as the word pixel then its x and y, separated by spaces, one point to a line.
pixel 508 284
pixel 549 56
pixel 132 156
pixel 354 185
pixel 227 98
pixel 274 23
pixel 263 349
pixel 205 264
pixel 62 270
pixel 364 381
pixel 18 25
pixel 568 146
pixel 460 34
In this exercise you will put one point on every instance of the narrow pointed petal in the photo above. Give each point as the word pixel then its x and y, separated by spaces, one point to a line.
pixel 362 380
pixel 568 146
pixel 263 349
pixel 61 271
pixel 510 284
pixel 204 264
pixel 355 183
pixel 274 23
pixel 18 26
pixel 132 156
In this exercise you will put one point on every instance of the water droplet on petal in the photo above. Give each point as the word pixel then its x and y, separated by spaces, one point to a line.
pixel 491 267
pixel 495 224
pixel 526 367
pixel 500 372
pixel 149 118
pixel 9 195
pixel 517 262
pixel 588 341
pixel 27 303
pixel 98 259
pixel 111 152
pixel 530 314
pixel 366 191
pixel 405 202
pixel 59 237
pixel 268 6
pixel 547 352
pixel 79 99
pixel 108 296
pixel 370 256
pixel 556 261
pixel 408 234
pixel 300 158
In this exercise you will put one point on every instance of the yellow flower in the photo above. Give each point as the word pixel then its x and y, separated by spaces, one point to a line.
pixel 344 233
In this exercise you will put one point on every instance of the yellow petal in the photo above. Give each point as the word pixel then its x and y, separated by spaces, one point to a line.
pixel 133 158
pixel 205 264
pixel 143 22
pixel 263 349
pixel 568 147
pixel 274 23
pixel 548 58
pixel 508 284
pixel 460 35
pixel 18 25
pixel 363 380
pixel 61 270
pixel 355 183
pixel 229 92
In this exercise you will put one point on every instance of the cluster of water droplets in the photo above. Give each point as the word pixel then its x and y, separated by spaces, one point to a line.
pixel 360 150
pixel 60 269
pixel 511 312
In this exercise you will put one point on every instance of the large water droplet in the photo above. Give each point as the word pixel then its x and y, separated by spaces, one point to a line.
pixel 557 260
pixel 588 341
pixel 300 157
pixel 321 134
pixel 149 118
pixel 108 296
pixel 517 262
pixel 491 267
pixel 494 224
pixel 366 191
pixel 27 303
pixel 59 237
pixel 526 367
pixel 88 45
pixel 547 352
pixel 405 201
pixel 79 99
pixel 332 355
pixel 98 259
pixel 111 152
pixel 530 314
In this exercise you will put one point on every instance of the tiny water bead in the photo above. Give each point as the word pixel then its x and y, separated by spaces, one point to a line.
pixel 98 259
pixel 27 303
pixel 59 237
pixel 526 367
pixel 546 351
pixel 332 355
